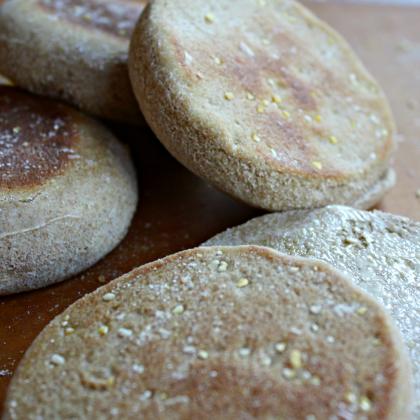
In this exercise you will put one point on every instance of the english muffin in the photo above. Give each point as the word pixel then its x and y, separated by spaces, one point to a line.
pixel 263 100
pixel 67 191
pixel 74 50
pixel 380 252
pixel 217 333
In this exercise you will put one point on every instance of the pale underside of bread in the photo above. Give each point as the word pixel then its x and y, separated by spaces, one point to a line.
pixel 380 252
pixel 217 333
pixel 55 57
pixel 67 220
pixel 193 67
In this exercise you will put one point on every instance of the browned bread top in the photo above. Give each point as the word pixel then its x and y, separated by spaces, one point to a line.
pixel 262 99
pixel 116 18
pixel 38 138
pixel 217 333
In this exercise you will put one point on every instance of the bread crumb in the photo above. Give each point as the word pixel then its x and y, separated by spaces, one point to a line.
pixel 276 99
pixel 222 266
pixel 333 139
pixel 69 331
pixel 317 118
pixel 255 137
pixel 362 310
pixel 350 397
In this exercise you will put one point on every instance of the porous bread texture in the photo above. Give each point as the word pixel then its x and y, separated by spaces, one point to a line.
pixel 54 57
pixel 266 102
pixel 217 333
pixel 379 251
pixel 61 226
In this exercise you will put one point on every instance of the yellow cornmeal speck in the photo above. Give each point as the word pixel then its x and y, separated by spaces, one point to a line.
pixel 222 266
pixel 315 381
pixel 202 354
pixel 107 297
pixel 265 41
pixel 289 373
pixel 69 331
pixel 87 17
pixel 362 310
pixel 16 130
pixel 295 359
pixel 110 381
pixel 333 139
pixel 242 283
pixel 229 96
pixel 218 60
pixel 317 118
pixel 244 352
pixel 418 193
pixel 101 278
pixel 209 18
pixel 350 397
pixel 276 99
pixel 265 360
pixel 316 164
pixel 179 309
pixel 260 108
pixel 103 330
pixel 365 404
pixel 255 137
pixel 271 82
pixel 250 96
pixel 286 114
pixel 280 347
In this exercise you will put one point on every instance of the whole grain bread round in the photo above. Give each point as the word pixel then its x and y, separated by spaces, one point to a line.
pixel 380 252
pixel 264 101
pixel 217 333
pixel 67 191
pixel 73 50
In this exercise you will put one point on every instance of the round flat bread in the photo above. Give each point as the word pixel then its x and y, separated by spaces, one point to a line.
pixel 217 333
pixel 263 100
pixel 74 50
pixel 380 252
pixel 68 191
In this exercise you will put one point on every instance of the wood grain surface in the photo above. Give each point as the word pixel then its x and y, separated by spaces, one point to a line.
pixel 178 211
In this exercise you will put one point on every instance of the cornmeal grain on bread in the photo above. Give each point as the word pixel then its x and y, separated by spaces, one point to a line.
pixel 74 50
pixel 263 100
pixel 380 252
pixel 67 191
pixel 217 333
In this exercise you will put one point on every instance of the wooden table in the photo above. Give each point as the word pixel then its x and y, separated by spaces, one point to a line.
pixel 179 211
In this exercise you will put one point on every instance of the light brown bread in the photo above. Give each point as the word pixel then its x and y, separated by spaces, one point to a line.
pixel 263 100
pixel 217 333
pixel 68 191
pixel 74 50
pixel 379 251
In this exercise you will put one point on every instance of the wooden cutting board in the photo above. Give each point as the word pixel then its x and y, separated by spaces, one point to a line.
pixel 179 211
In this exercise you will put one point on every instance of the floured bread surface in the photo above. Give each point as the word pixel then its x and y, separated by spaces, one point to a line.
pixel 217 333
pixel 74 50
pixel 380 252
pixel 263 100
pixel 68 191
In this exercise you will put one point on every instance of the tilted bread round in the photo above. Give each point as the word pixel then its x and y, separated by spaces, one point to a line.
pixel 380 251
pixel 217 333
pixel 74 50
pixel 263 100
pixel 68 191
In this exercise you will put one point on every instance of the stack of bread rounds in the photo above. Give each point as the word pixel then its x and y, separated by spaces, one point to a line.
pixel 74 50
pixel 225 333
pixel 68 191
pixel 264 101
pixel 379 251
